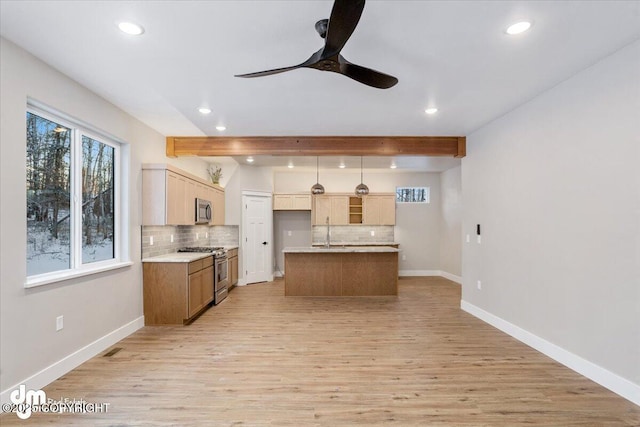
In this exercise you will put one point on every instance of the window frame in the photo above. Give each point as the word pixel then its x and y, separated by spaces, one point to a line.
pixel 120 200
pixel 427 195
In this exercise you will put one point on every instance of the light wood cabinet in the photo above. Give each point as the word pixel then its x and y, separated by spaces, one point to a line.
pixel 174 200
pixel 335 207
pixel 292 202
pixel 232 255
pixel 217 202
pixel 342 209
pixel 379 209
pixel 169 194
pixel 175 292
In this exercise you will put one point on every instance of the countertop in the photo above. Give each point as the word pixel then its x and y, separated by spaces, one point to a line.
pixel 183 256
pixel 339 249
pixel 178 257
pixel 337 243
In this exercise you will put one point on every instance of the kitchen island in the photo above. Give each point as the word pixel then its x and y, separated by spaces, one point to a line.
pixel 341 271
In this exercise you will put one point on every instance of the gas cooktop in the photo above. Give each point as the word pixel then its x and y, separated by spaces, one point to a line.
pixel 218 251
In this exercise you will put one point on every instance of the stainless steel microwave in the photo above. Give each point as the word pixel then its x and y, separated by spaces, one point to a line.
pixel 203 211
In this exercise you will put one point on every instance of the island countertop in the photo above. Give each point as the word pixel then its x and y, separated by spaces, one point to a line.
pixel 338 249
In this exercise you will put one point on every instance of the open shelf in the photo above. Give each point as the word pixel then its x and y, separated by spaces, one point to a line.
pixel 355 210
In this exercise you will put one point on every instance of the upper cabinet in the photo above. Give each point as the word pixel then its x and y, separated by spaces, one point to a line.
pixel 169 196
pixel 292 202
pixel 379 209
pixel 335 207
pixel 343 209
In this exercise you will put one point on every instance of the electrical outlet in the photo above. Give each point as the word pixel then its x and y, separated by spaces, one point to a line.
pixel 468 238
pixel 289 233
pixel 150 240
pixel 479 239
pixel 59 323
pixel 172 238
pixel 206 235
pixel 373 233
pixel 479 285
pixel 404 257
pixel 197 236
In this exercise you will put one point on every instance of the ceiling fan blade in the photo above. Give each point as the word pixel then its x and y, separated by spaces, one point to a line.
pixel 342 22
pixel 268 72
pixel 311 61
pixel 366 76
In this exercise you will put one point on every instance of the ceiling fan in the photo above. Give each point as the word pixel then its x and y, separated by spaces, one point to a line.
pixel 335 31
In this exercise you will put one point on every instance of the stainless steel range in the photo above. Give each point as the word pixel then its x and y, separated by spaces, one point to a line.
pixel 220 277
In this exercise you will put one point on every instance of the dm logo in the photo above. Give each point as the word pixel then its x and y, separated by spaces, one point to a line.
pixel 25 400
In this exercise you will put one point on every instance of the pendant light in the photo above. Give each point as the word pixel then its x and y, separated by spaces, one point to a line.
pixel 317 187
pixel 361 189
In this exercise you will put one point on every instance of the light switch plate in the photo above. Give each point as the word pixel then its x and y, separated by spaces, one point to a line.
pixel 59 323
pixel 150 240
pixel 468 238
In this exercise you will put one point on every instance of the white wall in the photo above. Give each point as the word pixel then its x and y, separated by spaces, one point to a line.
pixel 298 223
pixel 451 221
pixel 555 185
pixel 92 306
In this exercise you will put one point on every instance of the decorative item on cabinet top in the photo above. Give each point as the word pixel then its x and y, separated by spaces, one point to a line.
pixel 215 173
pixel 292 202
pixel 169 195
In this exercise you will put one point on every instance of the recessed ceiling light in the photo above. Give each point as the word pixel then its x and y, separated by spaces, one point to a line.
pixel 130 28
pixel 204 110
pixel 250 159
pixel 432 110
pixel 341 166
pixel 393 166
pixel 518 28
pixel 221 128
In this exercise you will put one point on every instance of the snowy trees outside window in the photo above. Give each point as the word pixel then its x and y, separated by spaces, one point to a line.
pixel 412 195
pixel 71 195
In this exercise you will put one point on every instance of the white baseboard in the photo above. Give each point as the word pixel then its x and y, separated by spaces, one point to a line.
pixel 451 277
pixel 598 374
pixel 75 359
pixel 278 274
pixel 424 273
pixel 404 273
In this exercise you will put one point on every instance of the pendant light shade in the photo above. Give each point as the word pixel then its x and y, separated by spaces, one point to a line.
pixel 317 188
pixel 361 189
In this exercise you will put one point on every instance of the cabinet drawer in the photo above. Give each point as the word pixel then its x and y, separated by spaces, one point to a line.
pixel 207 262
pixel 195 266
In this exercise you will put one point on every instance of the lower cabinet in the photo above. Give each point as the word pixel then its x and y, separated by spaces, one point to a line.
pixel 176 292
pixel 233 266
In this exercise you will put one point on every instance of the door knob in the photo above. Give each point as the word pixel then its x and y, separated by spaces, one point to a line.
pixel 264 243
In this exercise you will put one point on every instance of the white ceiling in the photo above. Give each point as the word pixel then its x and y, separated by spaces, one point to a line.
pixel 451 54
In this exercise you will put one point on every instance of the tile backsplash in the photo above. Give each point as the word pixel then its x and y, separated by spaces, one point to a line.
pixel 186 235
pixel 354 234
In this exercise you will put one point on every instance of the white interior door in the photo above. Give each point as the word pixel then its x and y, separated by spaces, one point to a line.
pixel 257 239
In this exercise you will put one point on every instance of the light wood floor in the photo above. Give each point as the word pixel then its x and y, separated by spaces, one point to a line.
pixel 263 359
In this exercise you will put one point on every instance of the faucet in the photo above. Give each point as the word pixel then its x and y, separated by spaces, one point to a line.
pixel 328 240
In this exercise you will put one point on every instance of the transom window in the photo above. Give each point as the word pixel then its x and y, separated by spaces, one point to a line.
pixel 412 194
pixel 73 197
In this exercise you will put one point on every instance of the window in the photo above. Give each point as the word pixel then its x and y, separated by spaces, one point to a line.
pixel 73 199
pixel 412 194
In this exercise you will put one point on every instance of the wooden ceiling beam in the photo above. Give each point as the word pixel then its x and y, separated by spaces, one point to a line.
pixel 448 146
